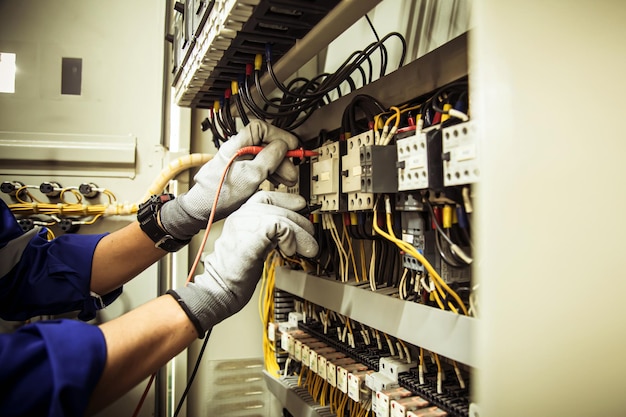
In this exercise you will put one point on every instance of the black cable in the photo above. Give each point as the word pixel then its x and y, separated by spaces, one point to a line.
pixel 222 123
pixel 228 117
pixel 193 374
pixel 240 109
pixel 216 133
pixel 458 262
pixel 444 256
pixel 301 97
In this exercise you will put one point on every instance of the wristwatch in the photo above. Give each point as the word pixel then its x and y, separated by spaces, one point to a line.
pixel 148 218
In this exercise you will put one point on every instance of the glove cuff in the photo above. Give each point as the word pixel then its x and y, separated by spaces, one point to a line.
pixel 194 320
pixel 177 222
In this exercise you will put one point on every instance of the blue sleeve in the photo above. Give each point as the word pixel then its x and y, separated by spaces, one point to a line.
pixel 50 368
pixel 48 277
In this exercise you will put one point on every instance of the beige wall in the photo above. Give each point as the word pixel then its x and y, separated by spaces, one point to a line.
pixel 121 44
pixel 547 92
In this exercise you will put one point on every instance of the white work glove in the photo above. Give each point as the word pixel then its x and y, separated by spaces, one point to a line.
pixel 188 213
pixel 232 271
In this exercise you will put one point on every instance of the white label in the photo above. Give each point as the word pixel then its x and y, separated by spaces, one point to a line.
pixel 374 404
pixel 354 385
pixel 415 162
pixel 397 410
pixel 285 343
pixel 305 354
pixel 325 176
pixel 298 351
pixel 342 379
pixel 321 367
pixel 271 332
pixel 313 361
pixel 331 374
pixel 465 153
pixel 407 238
pixel 382 405
pixel 356 171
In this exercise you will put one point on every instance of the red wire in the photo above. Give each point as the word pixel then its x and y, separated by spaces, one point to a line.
pixel 242 151
pixel 212 215
pixel 144 395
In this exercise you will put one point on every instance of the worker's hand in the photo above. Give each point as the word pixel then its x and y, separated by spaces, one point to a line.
pixel 189 212
pixel 232 271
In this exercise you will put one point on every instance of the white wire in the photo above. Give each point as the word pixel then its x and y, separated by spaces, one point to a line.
pixel 372 272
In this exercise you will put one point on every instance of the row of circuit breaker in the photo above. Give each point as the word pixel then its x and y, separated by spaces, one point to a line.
pixel 389 383
pixel 346 174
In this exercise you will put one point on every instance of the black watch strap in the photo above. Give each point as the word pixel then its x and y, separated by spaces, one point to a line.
pixel 148 215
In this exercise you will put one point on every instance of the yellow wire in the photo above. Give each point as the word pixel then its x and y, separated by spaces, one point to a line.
pixel 395 117
pixel 413 252
pixel 77 195
pixel 24 190
pixel 110 195
pixel 266 310
pixel 349 240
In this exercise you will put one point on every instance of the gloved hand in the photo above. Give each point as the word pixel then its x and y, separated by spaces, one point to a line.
pixel 188 213
pixel 232 271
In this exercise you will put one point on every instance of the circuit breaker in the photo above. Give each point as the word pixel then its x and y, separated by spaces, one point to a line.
pixel 460 155
pixel 413 233
pixel 377 174
pixel 419 160
pixel 325 184
pixel 351 173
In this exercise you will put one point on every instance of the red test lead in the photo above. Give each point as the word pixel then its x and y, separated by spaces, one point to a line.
pixel 296 153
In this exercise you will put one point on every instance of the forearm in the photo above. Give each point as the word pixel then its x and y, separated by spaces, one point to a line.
pixel 120 256
pixel 138 344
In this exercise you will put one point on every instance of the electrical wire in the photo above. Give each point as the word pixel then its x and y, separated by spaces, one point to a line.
pixel 143 396
pixel 192 270
pixel 266 309
pixel 193 374
pixel 301 97
pixel 454 248
pixel 439 282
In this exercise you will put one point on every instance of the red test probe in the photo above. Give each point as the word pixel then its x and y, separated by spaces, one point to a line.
pixel 296 153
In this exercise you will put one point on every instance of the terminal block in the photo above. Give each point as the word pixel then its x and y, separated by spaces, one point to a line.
pixel 351 173
pixel 377 164
pixel 419 160
pixel 460 155
pixel 325 184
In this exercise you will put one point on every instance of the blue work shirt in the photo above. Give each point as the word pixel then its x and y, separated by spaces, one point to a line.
pixel 49 368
